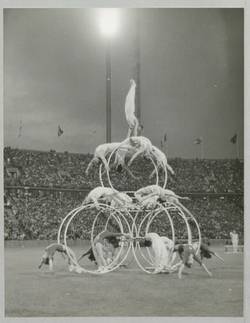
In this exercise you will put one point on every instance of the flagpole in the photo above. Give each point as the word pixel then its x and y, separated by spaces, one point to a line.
pixel 202 148
pixel 165 148
pixel 237 146
pixel 19 133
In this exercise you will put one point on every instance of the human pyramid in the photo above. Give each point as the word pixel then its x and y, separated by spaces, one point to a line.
pixel 132 218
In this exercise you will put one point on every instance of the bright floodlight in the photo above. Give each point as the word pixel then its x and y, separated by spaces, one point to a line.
pixel 109 21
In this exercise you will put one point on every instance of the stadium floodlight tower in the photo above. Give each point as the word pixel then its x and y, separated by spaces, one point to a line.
pixel 109 19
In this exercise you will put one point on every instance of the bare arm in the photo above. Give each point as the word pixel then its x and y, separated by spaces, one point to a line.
pixel 85 253
pixel 41 263
pixel 146 197
pixel 101 261
pixel 152 174
pixel 197 259
pixel 105 163
pixel 90 165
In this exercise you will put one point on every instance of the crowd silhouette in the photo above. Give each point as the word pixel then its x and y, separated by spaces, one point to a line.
pixel 42 187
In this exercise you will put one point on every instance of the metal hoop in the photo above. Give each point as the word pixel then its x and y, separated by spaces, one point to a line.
pixel 170 221
pixel 100 175
pixel 111 266
pixel 165 173
pixel 109 159
pixel 74 261
pixel 62 223
pixel 197 226
pixel 103 207
pixel 147 217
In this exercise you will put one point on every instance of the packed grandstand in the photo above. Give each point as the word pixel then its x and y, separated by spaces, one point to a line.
pixel 42 187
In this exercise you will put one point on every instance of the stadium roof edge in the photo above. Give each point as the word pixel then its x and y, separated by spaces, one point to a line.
pixel 87 154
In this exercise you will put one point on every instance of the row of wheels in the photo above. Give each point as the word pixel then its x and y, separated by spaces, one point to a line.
pixel 79 228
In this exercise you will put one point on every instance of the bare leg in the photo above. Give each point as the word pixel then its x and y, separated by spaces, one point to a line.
pixel 135 129
pixel 50 264
pixel 85 254
pixel 170 169
pixel 129 134
pixel 140 151
pixel 72 255
pixel 176 266
pixel 120 159
pixel 130 173
pixel 99 253
pixel 219 257
pixel 181 270
pixel 157 254
pixel 172 258
pixel 152 174
pixel 208 272
pixel 235 246
pixel 105 163
pixel 145 197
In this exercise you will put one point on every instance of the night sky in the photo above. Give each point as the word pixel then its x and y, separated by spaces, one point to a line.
pixel 191 79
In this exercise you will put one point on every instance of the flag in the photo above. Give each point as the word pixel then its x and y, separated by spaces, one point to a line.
pixel 198 141
pixel 20 129
pixel 59 131
pixel 165 137
pixel 233 140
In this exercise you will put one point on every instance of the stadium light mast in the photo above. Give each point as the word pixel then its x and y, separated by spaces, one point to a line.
pixel 137 66
pixel 109 25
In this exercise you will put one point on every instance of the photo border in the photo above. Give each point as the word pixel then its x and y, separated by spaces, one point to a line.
pixel 139 4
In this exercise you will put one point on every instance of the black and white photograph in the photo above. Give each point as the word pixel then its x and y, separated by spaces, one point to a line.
pixel 123 162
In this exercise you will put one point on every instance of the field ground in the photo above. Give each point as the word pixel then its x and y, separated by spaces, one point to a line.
pixel 125 292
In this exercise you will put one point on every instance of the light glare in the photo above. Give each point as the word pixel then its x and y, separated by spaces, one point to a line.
pixel 109 21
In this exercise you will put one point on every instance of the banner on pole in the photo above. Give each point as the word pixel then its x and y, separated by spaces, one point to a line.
pixel 59 131
pixel 233 140
pixel 198 141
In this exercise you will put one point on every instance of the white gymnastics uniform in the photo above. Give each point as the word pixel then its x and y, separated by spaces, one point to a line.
pixel 101 152
pixel 99 192
pixel 133 146
pixel 148 190
pixel 170 196
pixel 235 241
pixel 142 144
pixel 124 150
pixel 130 110
pixel 169 244
pixel 166 195
pixel 150 202
pixel 161 160
pixel 121 199
pixel 161 253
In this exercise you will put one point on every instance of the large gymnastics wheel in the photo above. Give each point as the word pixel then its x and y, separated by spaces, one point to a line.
pixel 152 157
pixel 111 215
pixel 175 221
pixel 172 214
pixel 138 224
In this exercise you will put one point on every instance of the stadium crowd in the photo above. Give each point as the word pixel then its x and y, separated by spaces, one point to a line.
pixel 36 213
pixel 64 170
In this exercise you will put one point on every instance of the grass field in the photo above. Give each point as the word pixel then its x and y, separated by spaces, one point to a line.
pixel 125 292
